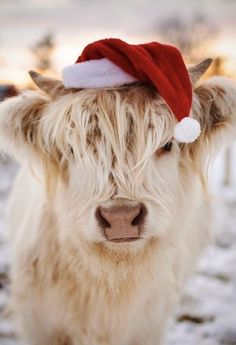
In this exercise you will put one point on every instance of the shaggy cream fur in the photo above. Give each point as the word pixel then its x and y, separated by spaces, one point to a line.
pixel 81 149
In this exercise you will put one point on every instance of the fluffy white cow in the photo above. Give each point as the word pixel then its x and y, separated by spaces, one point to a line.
pixel 108 214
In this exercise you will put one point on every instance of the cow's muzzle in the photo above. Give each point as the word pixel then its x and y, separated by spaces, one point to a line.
pixel 122 223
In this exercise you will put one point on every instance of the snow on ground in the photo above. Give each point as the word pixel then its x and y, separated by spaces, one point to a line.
pixel 207 314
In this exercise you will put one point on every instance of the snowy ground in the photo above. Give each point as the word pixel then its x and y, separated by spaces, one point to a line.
pixel 207 315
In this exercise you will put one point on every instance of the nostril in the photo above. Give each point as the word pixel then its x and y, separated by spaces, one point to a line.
pixel 139 219
pixel 101 219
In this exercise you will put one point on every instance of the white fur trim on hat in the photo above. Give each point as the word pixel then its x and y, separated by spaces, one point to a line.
pixel 95 74
pixel 187 130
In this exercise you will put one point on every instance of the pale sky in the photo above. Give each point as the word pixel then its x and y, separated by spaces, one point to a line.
pixel 76 23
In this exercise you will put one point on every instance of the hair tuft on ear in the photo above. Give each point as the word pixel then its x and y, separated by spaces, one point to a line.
pixel 19 118
pixel 216 99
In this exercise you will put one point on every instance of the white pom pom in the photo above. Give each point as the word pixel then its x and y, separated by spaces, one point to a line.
pixel 187 130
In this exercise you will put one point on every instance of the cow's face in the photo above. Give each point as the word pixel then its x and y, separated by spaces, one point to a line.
pixel 124 180
pixel 115 176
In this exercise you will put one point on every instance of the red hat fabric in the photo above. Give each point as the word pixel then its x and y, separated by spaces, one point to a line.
pixel 156 63
pixel 113 62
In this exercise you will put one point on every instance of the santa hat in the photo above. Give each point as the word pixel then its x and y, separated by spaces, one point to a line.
pixel 113 62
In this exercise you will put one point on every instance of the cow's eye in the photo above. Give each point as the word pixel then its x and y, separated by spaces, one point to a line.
pixel 164 149
pixel 167 147
pixel 72 151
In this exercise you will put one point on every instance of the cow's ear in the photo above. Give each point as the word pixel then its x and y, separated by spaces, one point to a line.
pixel 19 122
pixel 215 108
pixel 52 87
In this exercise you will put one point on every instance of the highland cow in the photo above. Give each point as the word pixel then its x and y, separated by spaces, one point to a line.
pixel 109 213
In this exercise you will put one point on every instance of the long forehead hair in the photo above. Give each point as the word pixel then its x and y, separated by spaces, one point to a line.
pixel 122 126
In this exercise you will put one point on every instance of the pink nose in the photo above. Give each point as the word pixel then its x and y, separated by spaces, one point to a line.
pixel 121 223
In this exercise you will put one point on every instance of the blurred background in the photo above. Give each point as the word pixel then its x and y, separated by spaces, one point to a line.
pixel 46 35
